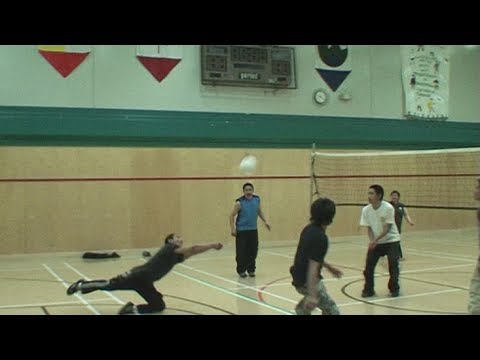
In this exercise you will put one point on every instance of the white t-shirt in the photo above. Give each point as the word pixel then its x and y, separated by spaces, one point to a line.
pixel 385 214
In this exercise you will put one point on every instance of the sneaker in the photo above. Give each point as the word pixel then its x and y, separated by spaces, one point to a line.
pixel 128 308
pixel 395 293
pixel 252 274
pixel 366 293
pixel 243 275
pixel 72 289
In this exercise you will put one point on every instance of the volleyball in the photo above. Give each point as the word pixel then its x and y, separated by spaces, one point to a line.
pixel 248 165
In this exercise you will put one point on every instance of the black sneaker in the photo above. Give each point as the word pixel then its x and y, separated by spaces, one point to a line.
pixel 128 308
pixel 252 274
pixel 72 289
pixel 243 275
pixel 366 293
pixel 395 293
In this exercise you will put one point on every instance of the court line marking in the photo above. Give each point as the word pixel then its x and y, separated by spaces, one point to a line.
pixel 236 282
pixel 59 279
pixel 22 269
pixel 401 297
pixel 416 252
pixel 47 304
pixel 271 307
pixel 225 290
pixel 119 301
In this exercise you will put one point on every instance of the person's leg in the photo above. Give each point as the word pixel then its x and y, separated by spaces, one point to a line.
pixel 120 282
pixel 325 302
pixel 474 293
pixel 153 298
pixel 400 252
pixel 369 272
pixel 300 308
pixel 393 268
pixel 241 252
pixel 252 252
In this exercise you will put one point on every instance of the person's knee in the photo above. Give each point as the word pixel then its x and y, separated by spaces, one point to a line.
pixel 157 306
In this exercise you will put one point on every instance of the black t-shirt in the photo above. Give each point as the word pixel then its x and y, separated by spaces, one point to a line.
pixel 313 245
pixel 159 264
pixel 399 214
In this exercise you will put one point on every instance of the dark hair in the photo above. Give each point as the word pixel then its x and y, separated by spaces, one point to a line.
pixel 247 184
pixel 395 192
pixel 169 237
pixel 322 211
pixel 378 190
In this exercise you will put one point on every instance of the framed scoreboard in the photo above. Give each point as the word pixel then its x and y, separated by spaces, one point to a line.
pixel 263 66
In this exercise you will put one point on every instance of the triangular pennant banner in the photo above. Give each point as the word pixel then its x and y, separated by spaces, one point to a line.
pixel 159 60
pixel 64 58
pixel 333 78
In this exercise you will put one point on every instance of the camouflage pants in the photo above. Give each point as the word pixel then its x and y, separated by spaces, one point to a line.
pixel 474 302
pixel 325 302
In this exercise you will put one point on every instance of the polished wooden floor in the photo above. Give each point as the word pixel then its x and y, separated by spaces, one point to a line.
pixel 434 280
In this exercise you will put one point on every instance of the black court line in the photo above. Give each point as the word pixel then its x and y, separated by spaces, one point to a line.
pixel 435 283
pixel 172 296
pixel 408 278
pixel 394 307
pixel 45 310
pixel 183 310
pixel 200 303
pixel 170 308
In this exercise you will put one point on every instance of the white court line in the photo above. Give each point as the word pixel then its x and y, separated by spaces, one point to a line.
pixel 46 304
pixel 361 276
pixel 87 278
pixel 228 291
pixel 277 254
pixel 401 297
pixel 236 282
pixel 231 293
pixel 416 252
pixel 430 269
pixel 258 287
pixel 211 258
pixel 439 253
pixel 22 269
pixel 59 279
pixel 386 273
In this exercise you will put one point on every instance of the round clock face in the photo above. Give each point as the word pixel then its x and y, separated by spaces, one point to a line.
pixel 320 96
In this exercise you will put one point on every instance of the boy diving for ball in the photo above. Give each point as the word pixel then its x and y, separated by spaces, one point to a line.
pixel 142 277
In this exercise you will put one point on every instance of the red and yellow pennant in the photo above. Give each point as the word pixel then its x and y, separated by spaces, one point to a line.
pixel 64 58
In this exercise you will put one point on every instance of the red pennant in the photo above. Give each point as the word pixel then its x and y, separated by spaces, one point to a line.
pixel 64 62
pixel 158 67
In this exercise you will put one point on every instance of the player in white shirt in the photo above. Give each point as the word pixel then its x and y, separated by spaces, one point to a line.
pixel 383 237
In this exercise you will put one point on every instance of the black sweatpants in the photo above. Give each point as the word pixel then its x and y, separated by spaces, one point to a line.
pixel 130 281
pixel 246 245
pixel 391 250
pixel 400 252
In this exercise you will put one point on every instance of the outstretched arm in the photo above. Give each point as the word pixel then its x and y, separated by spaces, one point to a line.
pixel 197 249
